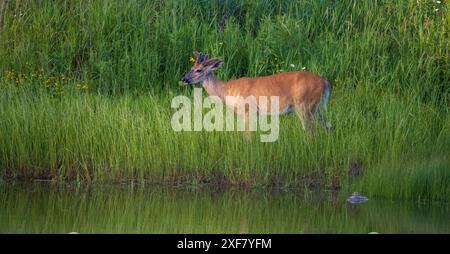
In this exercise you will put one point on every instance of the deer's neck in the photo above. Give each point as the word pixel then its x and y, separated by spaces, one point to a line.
pixel 215 86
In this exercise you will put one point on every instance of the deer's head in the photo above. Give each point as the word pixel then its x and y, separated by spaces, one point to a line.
pixel 201 69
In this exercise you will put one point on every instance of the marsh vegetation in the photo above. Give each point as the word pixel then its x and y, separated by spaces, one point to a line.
pixel 86 89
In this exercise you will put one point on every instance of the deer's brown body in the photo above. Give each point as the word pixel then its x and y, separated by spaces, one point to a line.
pixel 300 90
pixel 303 89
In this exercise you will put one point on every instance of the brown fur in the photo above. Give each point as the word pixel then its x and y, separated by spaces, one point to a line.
pixel 301 90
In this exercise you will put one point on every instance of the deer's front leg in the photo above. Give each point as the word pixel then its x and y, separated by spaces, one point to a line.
pixel 246 119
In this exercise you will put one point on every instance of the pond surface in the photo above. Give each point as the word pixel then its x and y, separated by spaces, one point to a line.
pixel 40 208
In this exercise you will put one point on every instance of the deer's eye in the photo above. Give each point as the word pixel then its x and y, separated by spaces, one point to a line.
pixel 199 70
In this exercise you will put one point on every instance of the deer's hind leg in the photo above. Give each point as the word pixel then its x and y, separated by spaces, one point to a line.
pixel 319 114
pixel 306 116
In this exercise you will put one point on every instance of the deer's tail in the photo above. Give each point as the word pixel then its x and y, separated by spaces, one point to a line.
pixel 327 94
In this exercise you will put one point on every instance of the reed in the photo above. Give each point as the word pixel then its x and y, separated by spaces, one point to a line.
pixel 86 90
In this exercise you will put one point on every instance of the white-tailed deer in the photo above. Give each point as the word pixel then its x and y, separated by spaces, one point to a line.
pixel 298 91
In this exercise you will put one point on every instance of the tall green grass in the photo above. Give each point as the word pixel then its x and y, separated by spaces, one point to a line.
pixel 388 62
pixel 88 137
pixel 135 45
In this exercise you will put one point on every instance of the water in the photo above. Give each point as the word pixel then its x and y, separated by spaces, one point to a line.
pixel 40 208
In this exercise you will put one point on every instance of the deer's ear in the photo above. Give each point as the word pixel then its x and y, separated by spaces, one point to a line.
pixel 201 57
pixel 213 64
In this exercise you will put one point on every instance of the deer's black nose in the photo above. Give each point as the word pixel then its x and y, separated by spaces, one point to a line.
pixel 185 80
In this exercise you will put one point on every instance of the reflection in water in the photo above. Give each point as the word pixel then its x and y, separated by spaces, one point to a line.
pixel 44 209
